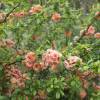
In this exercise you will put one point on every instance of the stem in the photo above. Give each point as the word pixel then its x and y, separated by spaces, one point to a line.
pixel 83 34
pixel 7 15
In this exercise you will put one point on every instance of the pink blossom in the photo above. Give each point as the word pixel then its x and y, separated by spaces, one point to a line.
pixel 51 57
pixel 90 31
pixel 72 60
pixel 30 56
pixel 9 43
pixel 56 17
pixel 39 66
pixel 16 73
pixel 19 14
pixel 97 13
pixel 67 65
pixel 97 35
pixel 18 78
pixel 35 9
pixel 30 59
pixel 29 64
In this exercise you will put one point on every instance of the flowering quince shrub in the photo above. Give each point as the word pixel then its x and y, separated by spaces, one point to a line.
pixel 49 51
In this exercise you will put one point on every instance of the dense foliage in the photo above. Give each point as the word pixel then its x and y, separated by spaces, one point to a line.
pixel 49 51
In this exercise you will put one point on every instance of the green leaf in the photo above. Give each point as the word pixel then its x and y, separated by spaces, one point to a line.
pixel 34 92
pixel 61 92
pixel 49 89
pixel 3 98
pixel 18 58
pixel 51 86
pixel 57 95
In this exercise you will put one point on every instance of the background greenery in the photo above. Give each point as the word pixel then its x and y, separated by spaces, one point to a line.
pixel 37 33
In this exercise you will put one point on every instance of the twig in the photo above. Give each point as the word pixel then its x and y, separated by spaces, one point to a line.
pixel 12 63
pixel 7 15
pixel 83 33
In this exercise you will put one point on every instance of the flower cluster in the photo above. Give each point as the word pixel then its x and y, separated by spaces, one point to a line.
pixel 19 14
pixel 56 17
pixel 71 62
pixel 90 31
pixel 7 43
pixel 97 15
pixel 30 62
pixel 51 57
pixel 97 35
pixel 30 59
pixel 39 66
pixel 17 78
pixel 35 9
